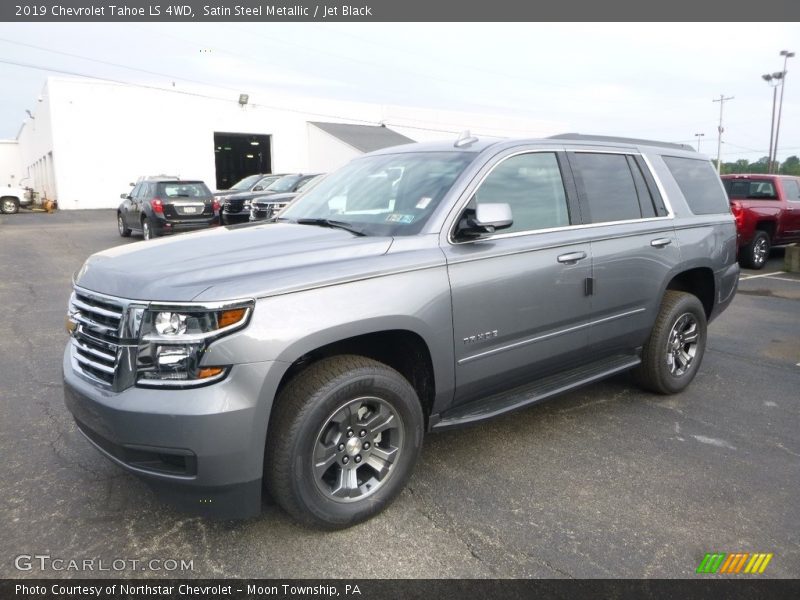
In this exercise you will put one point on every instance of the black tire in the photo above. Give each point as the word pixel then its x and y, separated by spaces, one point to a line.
pixel 123 231
pixel 147 230
pixel 662 369
pixel 9 205
pixel 755 254
pixel 303 481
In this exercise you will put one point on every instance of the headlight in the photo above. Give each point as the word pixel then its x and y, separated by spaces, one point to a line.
pixel 173 340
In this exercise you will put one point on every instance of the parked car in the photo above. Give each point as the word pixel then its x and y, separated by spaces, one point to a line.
pixel 767 213
pixel 264 208
pixel 252 183
pixel 236 208
pixel 11 198
pixel 416 289
pixel 160 206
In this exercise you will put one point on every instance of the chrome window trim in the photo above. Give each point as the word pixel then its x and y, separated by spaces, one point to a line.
pixel 670 216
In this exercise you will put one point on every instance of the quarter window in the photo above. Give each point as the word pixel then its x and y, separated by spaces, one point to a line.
pixel 532 185
pixel 699 184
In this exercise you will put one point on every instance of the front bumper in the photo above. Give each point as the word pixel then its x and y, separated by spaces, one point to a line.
pixel 201 448
pixel 235 218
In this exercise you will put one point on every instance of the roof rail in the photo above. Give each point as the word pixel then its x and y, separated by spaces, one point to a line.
pixel 620 140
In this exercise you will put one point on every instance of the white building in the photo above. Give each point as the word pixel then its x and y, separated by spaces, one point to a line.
pixel 87 140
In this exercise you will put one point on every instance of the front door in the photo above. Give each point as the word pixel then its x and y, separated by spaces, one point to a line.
pixel 520 303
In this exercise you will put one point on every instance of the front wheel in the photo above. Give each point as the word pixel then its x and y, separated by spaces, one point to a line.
pixel 123 231
pixel 343 441
pixel 9 205
pixel 755 254
pixel 673 352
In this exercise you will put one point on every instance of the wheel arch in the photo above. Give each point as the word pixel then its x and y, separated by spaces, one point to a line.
pixel 700 282
pixel 402 348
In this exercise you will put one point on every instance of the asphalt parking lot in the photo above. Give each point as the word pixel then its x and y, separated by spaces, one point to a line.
pixel 607 481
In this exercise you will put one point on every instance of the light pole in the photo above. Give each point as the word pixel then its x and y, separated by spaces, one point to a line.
pixel 769 78
pixel 786 56
pixel 698 136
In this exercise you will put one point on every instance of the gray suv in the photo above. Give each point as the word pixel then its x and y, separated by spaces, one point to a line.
pixel 418 288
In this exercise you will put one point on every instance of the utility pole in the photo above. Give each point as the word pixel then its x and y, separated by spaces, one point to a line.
pixel 722 99
pixel 786 56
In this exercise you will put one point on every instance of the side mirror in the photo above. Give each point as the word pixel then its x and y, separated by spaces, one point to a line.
pixel 258 188
pixel 487 218
pixel 124 196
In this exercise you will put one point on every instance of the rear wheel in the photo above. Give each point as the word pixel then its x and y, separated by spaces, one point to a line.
pixel 673 352
pixel 755 254
pixel 147 231
pixel 343 441
pixel 9 205
pixel 123 231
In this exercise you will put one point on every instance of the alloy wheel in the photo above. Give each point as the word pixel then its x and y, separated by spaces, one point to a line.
pixel 682 344
pixel 357 448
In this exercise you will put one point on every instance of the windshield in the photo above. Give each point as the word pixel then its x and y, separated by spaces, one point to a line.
pixel 246 183
pixel 389 194
pixel 284 184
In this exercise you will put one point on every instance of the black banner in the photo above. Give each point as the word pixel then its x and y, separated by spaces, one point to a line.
pixel 392 11
pixel 402 589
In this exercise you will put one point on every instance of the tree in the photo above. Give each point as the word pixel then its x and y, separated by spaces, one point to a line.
pixel 791 166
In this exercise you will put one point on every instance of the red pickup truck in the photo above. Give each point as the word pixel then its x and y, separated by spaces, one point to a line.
pixel 767 212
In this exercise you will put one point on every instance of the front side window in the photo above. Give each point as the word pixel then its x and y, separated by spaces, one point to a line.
pixel 386 194
pixel 532 186
pixel 606 185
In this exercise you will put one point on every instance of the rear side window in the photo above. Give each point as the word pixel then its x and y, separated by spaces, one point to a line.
pixel 606 184
pixel 185 190
pixel 791 187
pixel 699 184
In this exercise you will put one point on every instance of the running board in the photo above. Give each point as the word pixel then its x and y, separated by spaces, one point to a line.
pixel 530 393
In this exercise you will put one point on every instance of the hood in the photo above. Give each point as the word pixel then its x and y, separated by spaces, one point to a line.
pixel 226 263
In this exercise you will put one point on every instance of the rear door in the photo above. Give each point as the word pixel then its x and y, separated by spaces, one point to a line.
pixel 633 245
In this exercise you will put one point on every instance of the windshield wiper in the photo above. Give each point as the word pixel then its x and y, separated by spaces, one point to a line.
pixel 331 223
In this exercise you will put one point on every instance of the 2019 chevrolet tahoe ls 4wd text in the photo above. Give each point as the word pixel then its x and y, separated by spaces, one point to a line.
pixel 418 288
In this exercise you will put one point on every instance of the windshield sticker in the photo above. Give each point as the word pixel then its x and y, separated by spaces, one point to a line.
pixel 398 218
pixel 423 202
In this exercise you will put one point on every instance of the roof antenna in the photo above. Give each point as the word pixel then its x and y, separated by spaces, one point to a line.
pixel 465 139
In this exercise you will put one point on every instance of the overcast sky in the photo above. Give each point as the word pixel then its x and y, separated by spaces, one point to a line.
pixel 639 80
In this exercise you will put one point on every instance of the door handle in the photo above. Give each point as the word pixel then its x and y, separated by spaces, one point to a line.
pixel 571 258
pixel 660 242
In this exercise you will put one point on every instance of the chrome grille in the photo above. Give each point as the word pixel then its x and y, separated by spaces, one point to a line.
pixel 100 349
